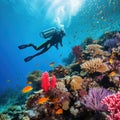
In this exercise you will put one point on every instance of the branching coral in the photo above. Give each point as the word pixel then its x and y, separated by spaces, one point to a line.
pixel 113 103
pixel 94 65
pixel 94 97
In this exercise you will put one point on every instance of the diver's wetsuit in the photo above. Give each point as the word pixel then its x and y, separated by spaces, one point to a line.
pixel 56 38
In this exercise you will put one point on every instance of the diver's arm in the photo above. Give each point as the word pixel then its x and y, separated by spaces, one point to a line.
pixel 56 45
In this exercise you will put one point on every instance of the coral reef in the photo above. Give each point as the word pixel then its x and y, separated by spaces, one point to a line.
pixel 86 89
pixel 95 65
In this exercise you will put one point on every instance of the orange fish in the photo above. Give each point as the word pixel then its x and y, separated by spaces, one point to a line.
pixel 59 111
pixel 43 100
pixel 112 74
pixel 52 64
pixel 28 82
pixel 27 89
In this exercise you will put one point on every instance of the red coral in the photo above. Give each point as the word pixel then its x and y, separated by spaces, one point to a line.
pixel 53 82
pixel 45 82
pixel 113 103
pixel 77 51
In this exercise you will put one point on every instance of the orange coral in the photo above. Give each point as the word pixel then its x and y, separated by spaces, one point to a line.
pixel 95 65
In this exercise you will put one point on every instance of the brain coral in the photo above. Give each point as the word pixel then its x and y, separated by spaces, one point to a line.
pixel 94 65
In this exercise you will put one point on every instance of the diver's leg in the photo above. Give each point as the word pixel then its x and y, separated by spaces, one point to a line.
pixel 39 53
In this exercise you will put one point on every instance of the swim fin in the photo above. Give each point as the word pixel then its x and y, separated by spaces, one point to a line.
pixel 28 58
pixel 23 46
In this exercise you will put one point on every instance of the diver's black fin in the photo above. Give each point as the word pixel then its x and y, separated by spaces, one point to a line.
pixel 28 58
pixel 22 46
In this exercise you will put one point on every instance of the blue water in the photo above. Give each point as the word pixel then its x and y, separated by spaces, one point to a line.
pixel 21 21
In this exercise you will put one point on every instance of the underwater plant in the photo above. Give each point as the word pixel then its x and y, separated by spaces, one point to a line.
pixel 94 97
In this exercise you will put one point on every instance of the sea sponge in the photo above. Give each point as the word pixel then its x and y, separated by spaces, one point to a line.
pixel 65 105
pixel 75 82
pixel 95 65
pixel 94 49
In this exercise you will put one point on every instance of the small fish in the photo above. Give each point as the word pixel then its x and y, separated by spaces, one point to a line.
pixel 7 80
pixel 52 64
pixel 111 61
pixel 37 65
pixel 94 41
pixel 27 89
pixel 59 111
pixel 43 100
pixel 112 74
pixel 28 82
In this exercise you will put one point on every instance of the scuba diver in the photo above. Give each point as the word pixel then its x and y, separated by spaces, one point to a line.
pixel 56 38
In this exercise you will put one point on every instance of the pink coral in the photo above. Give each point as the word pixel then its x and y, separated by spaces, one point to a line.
pixel 46 84
pixel 113 103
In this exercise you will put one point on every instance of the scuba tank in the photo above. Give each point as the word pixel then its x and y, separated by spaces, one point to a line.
pixel 49 32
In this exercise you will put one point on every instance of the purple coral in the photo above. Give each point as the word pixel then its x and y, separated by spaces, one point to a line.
pixel 94 97
pixel 112 42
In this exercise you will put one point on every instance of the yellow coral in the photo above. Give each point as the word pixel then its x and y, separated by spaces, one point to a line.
pixel 94 65
pixel 75 82
pixel 94 49
pixel 65 105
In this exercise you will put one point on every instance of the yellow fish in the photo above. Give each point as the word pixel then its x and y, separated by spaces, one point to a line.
pixel 111 61
pixel 112 74
pixel 52 64
pixel 28 82
pixel 43 100
pixel 59 111
pixel 27 89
